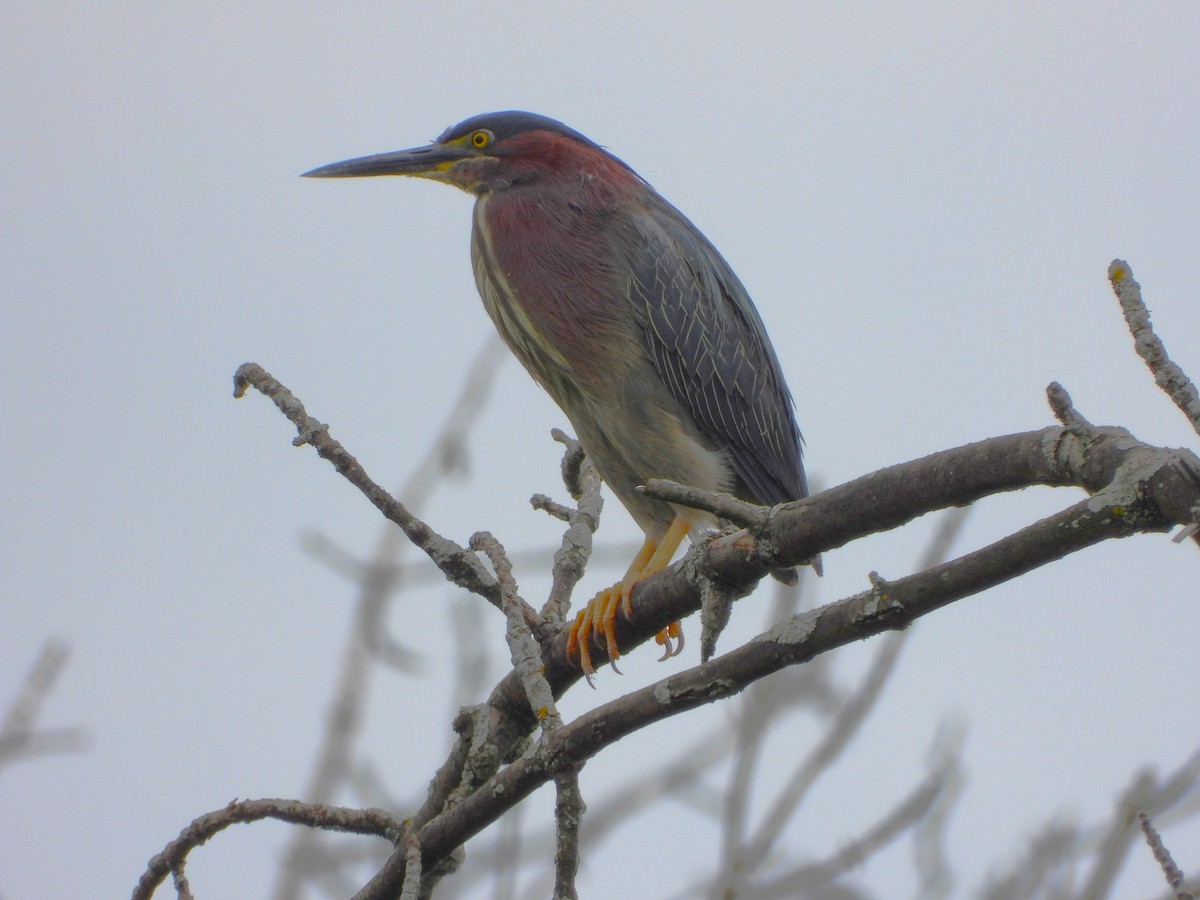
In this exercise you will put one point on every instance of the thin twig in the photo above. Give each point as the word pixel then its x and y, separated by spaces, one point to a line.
pixel 19 738
pixel 399 574
pixel 527 662
pixel 930 834
pixel 1163 856
pixel 1167 375
pixel 1047 854
pixel 506 859
pixel 1147 794
pixel 810 877
pixel 369 638
pixel 572 462
pixel 841 731
pixel 334 818
pixel 608 814
pixel 740 862
pixel 183 890
pixel 1064 410
pixel 523 648
pixel 575 551
pixel 459 566
pixel 552 507
pixel 723 506
pixel 377 581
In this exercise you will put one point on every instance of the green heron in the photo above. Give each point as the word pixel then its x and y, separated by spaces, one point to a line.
pixel 632 321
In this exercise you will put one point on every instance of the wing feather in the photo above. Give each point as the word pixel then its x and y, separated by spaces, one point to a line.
pixel 712 352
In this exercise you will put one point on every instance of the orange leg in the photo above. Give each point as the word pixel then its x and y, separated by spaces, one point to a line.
pixel 600 615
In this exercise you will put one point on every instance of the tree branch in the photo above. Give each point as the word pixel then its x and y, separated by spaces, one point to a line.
pixel 792 641
pixel 19 736
pixel 1163 857
pixel 459 565
pixel 1167 375
pixel 315 815
pixel 1136 487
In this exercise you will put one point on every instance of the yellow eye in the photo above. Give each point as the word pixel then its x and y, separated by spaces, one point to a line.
pixel 481 138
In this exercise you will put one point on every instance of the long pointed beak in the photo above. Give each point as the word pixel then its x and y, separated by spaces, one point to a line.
pixel 429 160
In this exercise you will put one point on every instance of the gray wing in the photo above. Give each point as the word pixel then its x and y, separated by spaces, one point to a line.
pixel 711 350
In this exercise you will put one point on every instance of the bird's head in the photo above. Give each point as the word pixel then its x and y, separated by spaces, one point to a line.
pixel 488 152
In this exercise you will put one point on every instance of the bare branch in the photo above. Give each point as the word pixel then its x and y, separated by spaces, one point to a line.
pixel 572 462
pixel 374 822
pixel 568 813
pixel 505 861
pixel 929 835
pixel 607 814
pixel 1064 410
pixel 460 566
pixel 1167 375
pixel 1163 856
pixel 837 737
pixel 377 582
pixel 524 650
pixel 473 659
pixel 183 890
pixel 723 506
pixel 785 644
pixel 740 863
pixel 904 816
pixel 39 683
pixel 572 556
pixel 370 638
pixel 527 662
pixel 1146 794
pixel 1137 488
pixel 1046 854
pixel 408 574
pixel 412 871
pixel 19 737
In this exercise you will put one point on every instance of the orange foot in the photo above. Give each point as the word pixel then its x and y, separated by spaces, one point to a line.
pixel 599 617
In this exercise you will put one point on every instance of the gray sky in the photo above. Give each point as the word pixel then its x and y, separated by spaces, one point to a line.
pixel 923 204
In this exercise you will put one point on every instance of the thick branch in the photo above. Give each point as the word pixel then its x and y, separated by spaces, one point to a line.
pixel 1136 488
pixel 1140 488
pixel 793 641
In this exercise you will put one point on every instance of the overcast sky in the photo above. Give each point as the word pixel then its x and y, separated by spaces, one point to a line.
pixel 922 201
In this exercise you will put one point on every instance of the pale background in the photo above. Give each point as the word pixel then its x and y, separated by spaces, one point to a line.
pixel 923 202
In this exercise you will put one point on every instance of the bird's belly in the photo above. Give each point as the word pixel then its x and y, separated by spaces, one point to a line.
pixel 632 443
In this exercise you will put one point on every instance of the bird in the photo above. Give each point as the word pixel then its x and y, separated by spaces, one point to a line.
pixel 630 319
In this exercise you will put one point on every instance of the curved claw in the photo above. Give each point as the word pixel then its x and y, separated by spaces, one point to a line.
pixel 596 623
pixel 667 654
pixel 676 631
pixel 577 641
pixel 672 633
pixel 599 618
